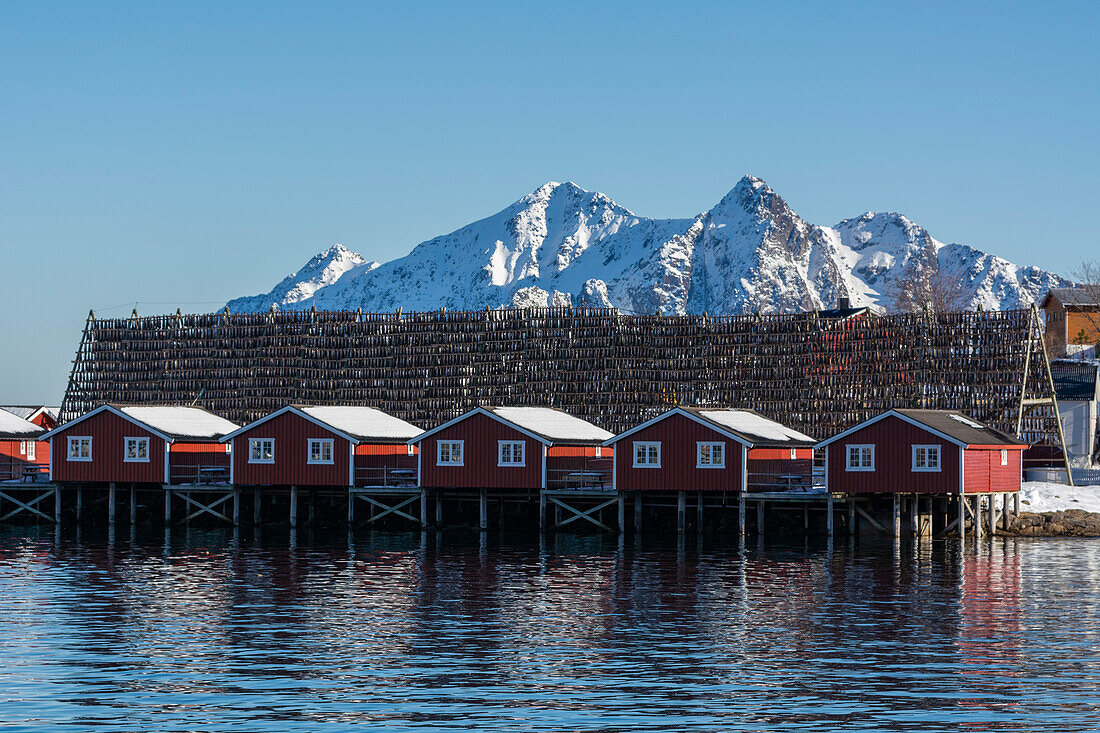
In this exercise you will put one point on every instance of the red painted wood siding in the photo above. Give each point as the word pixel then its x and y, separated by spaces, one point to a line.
pixel 480 434
pixel 371 460
pixel 108 432
pixel 983 472
pixel 893 440
pixel 291 467
pixel 12 461
pixel 678 436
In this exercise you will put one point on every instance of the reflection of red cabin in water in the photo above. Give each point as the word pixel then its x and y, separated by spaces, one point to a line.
pixel 514 448
pixel 153 444
pixel 22 452
pixel 324 446
pixel 922 452
pixel 712 449
pixel 43 416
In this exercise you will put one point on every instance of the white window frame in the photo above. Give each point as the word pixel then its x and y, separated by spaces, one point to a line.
pixel 321 443
pixel 136 442
pixel 1004 456
pixel 253 442
pixel 229 446
pixel 794 454
pixel 410 449
pixel 599 451
pixel 22 447
pixel 30 450
pixel 648 444
pixel 861 447
pixel 929 450
pixel 711 445
pixel 450 452
pixel 511 445
pixel 78 440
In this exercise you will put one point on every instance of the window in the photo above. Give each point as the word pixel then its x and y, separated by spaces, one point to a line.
pixel 510 453
pixel 1004 457
pixel 30 450
pixel 411 449
pixel 80 448
pixel 229 447
pixel 710 455
pixel 647 454
pixel 861 458
pixel 261 450
pixel 22 447
pixel 137 450
pixel 449 453
pixel 794 454
pixel 926 458
pixel 599 451
pixel 320 450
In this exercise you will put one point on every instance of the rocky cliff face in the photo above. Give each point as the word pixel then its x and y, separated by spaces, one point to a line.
pixel 562 245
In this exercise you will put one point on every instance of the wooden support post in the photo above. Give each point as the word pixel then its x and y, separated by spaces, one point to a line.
pixel 167 504
pixel 257 505
pixel 423 508
pixel 760 518
pixel 622 512
pixel 483 522
pixel 236 507
pixel 312 504
pixel 57 504
pixel 351 506
pixel 79 503
pixel 439 508
pixel 979 528
pixel 741 513
pixel 111 504
pixel 1006 513
pixel 133 505
pixel 542 510
pixel 829 514
pixel 637 511
pixel 805 520
pixel 1015 504
pixel 896 525
pixel 961 522
pixel 681 510
pixel 914 516
pixel 992 514
pixel 699 518
pixel 853 525
pixel 293 506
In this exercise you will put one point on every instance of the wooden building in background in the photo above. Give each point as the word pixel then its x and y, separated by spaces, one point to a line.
pixel 23 453
pixel 1072 317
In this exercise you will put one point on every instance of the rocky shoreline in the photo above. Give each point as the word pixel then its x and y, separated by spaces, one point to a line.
pixel 1069 523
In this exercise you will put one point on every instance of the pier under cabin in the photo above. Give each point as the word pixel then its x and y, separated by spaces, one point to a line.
pixel 149 448
pixel 335 451
pixel 510 455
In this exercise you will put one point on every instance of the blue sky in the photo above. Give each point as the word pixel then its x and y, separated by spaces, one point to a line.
pixel 181 154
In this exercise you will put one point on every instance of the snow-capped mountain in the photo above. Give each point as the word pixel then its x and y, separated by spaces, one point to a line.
pixel 562 245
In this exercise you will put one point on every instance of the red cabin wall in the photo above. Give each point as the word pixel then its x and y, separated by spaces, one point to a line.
pixel 12 461
pixel 983 472
pixel 677 435
pixel 291 468
pixel 480 434
pixel 108 432
pixel 893 440
pixel 44 421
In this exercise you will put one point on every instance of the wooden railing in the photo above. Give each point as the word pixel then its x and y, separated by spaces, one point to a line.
pixel 385 476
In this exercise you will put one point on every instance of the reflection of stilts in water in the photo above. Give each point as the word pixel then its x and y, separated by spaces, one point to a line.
pixel 989 610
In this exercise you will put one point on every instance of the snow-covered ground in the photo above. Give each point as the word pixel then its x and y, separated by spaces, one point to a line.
pixel 1038 497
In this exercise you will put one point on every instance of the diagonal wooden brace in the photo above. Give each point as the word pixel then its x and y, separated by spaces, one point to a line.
pixel 29 506
pixel 583 514
pixel 871 519
pixel 395 509
pixel 204 508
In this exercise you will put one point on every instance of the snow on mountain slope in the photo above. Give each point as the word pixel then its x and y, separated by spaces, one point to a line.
pixel 562 245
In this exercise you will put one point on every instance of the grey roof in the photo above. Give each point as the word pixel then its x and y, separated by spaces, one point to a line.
pixel 1084 296
pixel 27 411
pixel 1076 380
pixel 960 426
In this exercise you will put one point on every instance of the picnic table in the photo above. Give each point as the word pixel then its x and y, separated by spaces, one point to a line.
pixel 32 471
pixel 213 474
pixel 404 476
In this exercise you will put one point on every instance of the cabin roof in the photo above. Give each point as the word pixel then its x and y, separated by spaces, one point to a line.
pixel 952 425
pixel 30 412
pixel 545 424
pixel 1082 297
pixel 170 422
pixel 745 426
pixel 351 422
pixel 13 427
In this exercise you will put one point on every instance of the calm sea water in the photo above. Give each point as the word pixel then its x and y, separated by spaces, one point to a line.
pixel 211 631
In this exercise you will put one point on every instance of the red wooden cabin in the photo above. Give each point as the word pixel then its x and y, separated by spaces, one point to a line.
pixel 148 444
pixel 514 448
pixel 712 449
pixel 324 446
pixel 43 416
pixel 922 452
pixel 23 454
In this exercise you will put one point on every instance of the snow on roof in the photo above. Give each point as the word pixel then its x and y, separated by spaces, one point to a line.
pixel 364 422
pixel 15 427
pixel 28 411
pixel 554 425
pixel 181 422
pixel 755 427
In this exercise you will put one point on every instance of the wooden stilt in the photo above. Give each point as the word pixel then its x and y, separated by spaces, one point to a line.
pixel 992 514
pixel 805 520
pixel 167 504
pixel 681 506
pixel 1015 504
pixel 257 505
pixel 57 504
pixel 853 525
pixel 79 503
pixel 111 504
pixel 622 513
pixel 236 507
pixel 542 510
pixel 637 511
pixel 699 518
pixel 914 516
pixel 351 506
pixel 133 505
pixel 483 522
pixel 760 518
pixel 829 514
pixel 741 513
pixel 961 521
pixel 439 508
pixel 979 528
pixel 896 524
pixel 293 506
pixel 312 504
pixel 423 508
